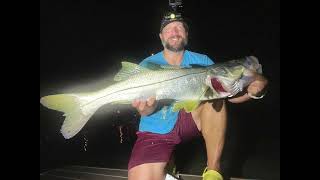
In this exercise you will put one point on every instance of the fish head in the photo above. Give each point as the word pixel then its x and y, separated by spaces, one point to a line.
pixel 225 80
pixel 251 63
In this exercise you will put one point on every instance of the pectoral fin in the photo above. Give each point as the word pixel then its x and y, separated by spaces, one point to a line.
pixel 188 105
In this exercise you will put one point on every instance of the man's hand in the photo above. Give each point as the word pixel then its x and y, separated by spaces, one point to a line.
pixel 145 107
pixel 256 88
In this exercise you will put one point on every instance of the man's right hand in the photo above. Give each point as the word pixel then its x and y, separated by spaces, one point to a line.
pixel 145 107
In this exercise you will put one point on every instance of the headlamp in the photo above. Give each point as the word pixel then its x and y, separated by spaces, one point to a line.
pixel 173 15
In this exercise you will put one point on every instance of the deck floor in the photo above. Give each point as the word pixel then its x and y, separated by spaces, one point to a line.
pixel 97 173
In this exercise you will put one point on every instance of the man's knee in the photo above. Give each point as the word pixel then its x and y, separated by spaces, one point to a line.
pixel 216 105
pixel 147 171
pixel 212 110
pixel 213 116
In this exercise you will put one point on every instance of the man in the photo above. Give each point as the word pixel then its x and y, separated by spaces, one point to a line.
pixel 160 128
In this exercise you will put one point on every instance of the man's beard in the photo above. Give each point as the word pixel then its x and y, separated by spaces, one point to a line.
pixel 177 48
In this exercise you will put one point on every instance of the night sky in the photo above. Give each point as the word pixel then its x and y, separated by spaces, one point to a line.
pixel 83 42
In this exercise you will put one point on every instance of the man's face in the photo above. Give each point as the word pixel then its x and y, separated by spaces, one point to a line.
pixel 174 36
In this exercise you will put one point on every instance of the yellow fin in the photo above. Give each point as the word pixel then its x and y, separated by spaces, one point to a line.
pixel 188 105
pixel 74 113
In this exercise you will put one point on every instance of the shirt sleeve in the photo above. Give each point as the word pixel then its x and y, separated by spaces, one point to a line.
pixel 208 60
pixel 143 62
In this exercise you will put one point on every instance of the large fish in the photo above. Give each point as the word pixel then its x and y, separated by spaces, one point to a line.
pixel 186 86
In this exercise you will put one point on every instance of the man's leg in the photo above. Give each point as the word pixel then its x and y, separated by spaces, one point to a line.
pixel 150 155
pixel 154 171
pixel 211 120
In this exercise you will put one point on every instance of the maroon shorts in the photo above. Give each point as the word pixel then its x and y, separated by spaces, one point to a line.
pixel 151 147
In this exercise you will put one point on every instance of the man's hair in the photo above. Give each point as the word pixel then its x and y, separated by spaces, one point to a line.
pixel 170 17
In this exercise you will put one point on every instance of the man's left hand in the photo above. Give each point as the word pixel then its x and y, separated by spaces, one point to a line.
pixel 255 89
pixel 258 86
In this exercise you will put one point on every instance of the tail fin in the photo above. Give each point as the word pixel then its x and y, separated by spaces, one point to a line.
pixel 70 104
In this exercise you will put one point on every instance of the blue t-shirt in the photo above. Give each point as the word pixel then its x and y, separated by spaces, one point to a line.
pixel 163 121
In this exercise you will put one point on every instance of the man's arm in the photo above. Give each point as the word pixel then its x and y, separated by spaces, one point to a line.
pixel 255 89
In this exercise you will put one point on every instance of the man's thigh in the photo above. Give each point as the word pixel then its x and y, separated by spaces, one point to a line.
pixel 147 171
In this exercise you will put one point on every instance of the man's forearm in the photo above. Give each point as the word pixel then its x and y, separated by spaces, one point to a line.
pixel 240 99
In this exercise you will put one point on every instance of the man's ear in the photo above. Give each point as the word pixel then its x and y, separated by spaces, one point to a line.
pixel 160 35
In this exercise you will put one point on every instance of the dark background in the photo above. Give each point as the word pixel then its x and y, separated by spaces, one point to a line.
pixel 83 42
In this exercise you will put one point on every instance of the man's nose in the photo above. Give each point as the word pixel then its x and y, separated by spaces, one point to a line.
pixel 176 30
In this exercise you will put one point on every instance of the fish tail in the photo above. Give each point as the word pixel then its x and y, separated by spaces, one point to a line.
pixel 76 115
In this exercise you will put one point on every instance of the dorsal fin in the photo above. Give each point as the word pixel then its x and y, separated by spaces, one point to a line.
pixel 128 69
